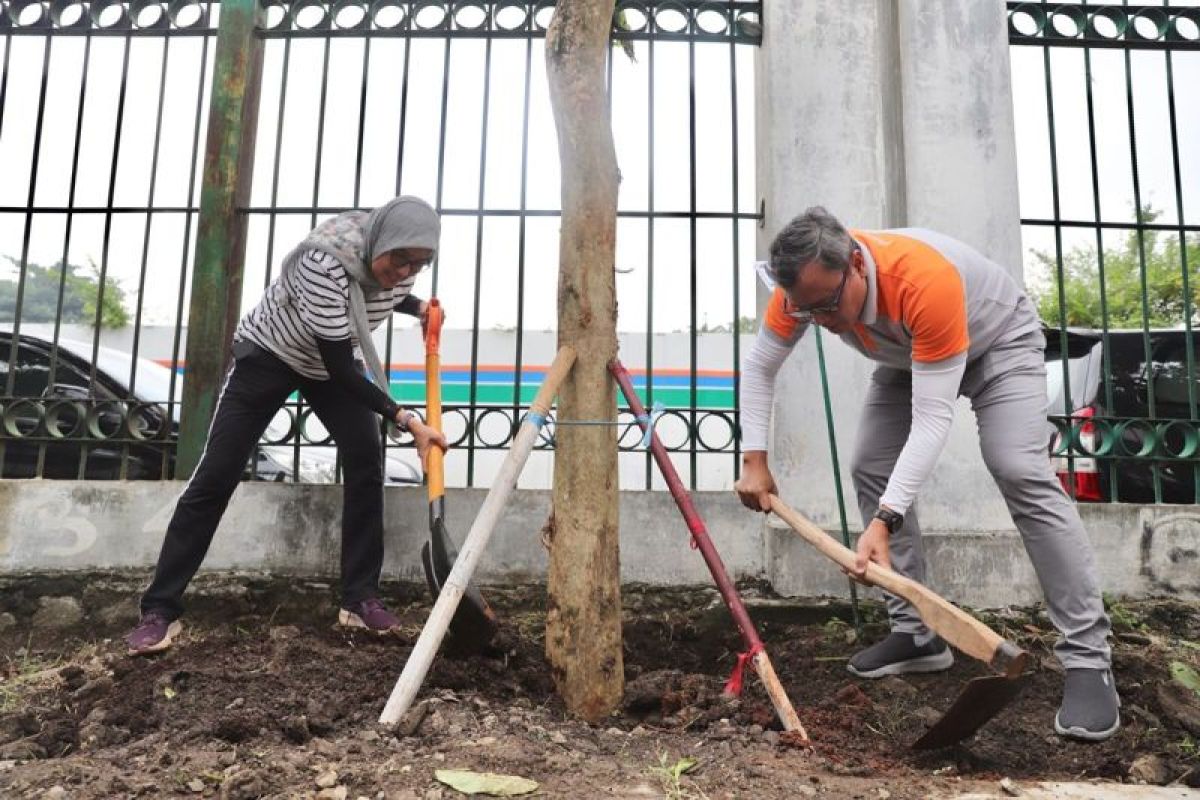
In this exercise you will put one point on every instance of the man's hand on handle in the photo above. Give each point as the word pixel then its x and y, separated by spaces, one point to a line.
pixel 423 316
pixel 756 485
pixel 872 546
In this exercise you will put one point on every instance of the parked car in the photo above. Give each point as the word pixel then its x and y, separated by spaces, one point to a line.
pixel 1133 377
pixel 144 448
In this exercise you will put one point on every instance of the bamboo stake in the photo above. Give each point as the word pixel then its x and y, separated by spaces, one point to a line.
pixel 419 661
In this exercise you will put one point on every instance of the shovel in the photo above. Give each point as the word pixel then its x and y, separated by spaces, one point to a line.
pixel 474 623
pixel 982 698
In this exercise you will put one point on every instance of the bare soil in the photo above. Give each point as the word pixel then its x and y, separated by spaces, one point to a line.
pixel 263 697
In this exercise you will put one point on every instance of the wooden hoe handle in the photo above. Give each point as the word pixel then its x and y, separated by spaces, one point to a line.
pixel 950 622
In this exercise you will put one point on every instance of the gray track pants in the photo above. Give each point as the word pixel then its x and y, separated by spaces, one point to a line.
pixel 1007 390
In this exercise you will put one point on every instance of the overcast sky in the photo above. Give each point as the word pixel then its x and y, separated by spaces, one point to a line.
pixel 1155 153
pixel 294 183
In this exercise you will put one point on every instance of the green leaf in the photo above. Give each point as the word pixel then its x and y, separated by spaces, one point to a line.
pixel 681 766
pixel 1185 675
pixel 471 782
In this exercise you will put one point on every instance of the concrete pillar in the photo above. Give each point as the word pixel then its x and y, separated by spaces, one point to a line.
pixel 888 113
pixel 826 118
pixel 960 154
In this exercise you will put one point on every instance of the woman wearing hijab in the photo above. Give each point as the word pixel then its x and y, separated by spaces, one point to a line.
pixel 337 286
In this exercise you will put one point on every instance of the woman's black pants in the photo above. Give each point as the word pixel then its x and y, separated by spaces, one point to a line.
pixel 257 386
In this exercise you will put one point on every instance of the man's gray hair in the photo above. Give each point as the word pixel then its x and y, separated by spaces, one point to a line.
pixel 815 235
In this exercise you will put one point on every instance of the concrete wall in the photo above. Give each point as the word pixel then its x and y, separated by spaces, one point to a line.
pixel 294 529
pixel 889 113
pixel 291 529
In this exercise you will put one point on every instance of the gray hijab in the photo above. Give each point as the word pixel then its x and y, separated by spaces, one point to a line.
pixel 355 238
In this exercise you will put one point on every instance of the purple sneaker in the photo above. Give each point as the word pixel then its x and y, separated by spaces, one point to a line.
pixel 153 634
pixel 370 614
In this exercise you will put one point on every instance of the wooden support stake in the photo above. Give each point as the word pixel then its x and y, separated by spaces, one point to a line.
pixel 419 661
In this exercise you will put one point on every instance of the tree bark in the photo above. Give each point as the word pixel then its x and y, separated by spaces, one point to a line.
pixel 583 623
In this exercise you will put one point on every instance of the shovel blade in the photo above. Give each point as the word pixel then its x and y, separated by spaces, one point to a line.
pixel 982 699
pixel 474 623
pixel 431 576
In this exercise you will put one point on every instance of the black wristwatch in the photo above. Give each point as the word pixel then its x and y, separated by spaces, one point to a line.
pixel 890 518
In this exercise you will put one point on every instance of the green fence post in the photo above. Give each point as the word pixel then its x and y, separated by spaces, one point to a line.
pixel 221 230
pixel 837 474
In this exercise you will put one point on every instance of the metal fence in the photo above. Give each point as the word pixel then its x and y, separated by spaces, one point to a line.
pixel 97 161
pixel 1109 140
pixel 102 109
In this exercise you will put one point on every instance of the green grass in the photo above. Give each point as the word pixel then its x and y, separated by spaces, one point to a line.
pixel 22 673
pixel 1122 617
pixel 670 777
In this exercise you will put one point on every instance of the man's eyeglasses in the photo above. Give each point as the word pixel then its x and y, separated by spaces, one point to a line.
pixel 806 312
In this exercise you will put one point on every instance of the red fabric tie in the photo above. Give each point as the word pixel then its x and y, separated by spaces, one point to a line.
pixel 733 687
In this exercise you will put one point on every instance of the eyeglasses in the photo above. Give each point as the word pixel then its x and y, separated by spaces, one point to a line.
pixel 398 259
pixel 806 312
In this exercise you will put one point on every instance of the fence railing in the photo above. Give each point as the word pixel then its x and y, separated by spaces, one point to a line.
pixel 1110 183
pixel 102 107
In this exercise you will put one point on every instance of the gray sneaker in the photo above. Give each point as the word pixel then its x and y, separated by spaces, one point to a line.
pixel 1090 708
pixel 899 654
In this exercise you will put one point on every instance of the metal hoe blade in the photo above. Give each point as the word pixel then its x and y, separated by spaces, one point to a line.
pixel 982 699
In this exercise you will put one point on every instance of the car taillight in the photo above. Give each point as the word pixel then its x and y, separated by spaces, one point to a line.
pixel 1081 479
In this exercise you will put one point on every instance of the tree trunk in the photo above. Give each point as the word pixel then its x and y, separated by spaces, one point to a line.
pixel 583 622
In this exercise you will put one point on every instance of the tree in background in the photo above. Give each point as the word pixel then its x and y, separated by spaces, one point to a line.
pixel 80 291
pixel 1123 282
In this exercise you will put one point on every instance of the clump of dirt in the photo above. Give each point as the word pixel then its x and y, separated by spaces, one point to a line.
pixel 262 697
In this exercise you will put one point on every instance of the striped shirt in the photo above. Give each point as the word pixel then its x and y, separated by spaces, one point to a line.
pixel 312 302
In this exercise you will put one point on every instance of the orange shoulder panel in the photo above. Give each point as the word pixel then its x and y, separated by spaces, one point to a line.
pixel 922 290
pixel 777 321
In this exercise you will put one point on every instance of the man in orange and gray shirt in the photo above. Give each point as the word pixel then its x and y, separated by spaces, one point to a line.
pixel 941 321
